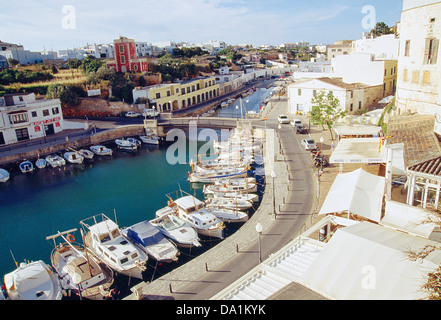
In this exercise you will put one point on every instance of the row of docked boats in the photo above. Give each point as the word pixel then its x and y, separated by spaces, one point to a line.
pixel 79 156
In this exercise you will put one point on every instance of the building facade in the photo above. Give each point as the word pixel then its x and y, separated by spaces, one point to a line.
pixel 342 47
pixel 175 96
pixel 22 117
pixel 419 64
pixel 126 58
pixel 353 97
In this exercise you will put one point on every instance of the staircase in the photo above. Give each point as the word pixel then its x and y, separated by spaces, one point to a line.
pixel 285 267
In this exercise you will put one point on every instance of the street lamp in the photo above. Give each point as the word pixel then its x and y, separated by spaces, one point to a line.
pixel 259 230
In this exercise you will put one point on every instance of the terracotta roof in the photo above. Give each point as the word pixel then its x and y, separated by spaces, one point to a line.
pixel 417 134
pixel 432 167
pixel 339 83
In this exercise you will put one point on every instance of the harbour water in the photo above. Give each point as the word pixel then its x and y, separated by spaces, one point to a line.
pixel 130 187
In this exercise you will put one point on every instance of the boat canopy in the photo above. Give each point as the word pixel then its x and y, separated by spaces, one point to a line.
pixel 189 203
pixel 145 233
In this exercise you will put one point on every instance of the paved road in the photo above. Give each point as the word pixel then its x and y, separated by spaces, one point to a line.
pixel 295 210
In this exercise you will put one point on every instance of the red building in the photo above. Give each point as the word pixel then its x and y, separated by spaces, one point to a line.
pixel 125 57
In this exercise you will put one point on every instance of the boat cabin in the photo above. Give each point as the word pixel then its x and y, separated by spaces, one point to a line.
pixel 109 242
pixel 194 212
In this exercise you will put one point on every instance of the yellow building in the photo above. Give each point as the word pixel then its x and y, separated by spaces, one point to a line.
pixel 175 96
pixel 390 77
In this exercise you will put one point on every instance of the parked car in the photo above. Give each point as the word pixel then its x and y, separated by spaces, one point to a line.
pixel 300 129
pixel 150 113
pixel 283 119
pixel 309 144
pixel 295 122
pixel 131 114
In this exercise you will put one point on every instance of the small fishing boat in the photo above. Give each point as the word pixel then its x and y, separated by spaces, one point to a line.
pixel 251 197
pixel 150 239
pixel 101 150
pixel 79 272
pixel 230 188
pixel 228 203
pixel 135 141
pixel 175 228
pixel 213 175
pixel 55 160
pixel 229 215
pixel 73 157
pixel 104 239
pixel 87 154
pixel 150 138
pixel 26 166
pixel 193 212
pixel 41 163
pixel 126 145
pixel 4 175
pixel 33 281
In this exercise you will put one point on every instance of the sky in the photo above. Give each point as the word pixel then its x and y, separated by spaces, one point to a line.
pixel 62 24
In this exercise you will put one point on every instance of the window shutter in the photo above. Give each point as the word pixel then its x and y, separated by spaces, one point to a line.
pixel 434 56
pixel 427 51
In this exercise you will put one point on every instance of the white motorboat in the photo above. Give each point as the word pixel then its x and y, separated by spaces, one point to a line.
pixel 73 157
pixel 26 166
pixel 41 163
pixel 33 281
pixel 55 160
pixel 150 138
pixel 228 203
pixel 104 239
pixel 126 145
pixel 175 228
pixel 152 241
pixel 251 197
pixel 101 150
pixel 4 175
pixel 87 154
pixel 213 175
pixel 230 188
pixel 193 212
pixel 135 141
pixel 79 271
pixel 218 166
pixel 229 215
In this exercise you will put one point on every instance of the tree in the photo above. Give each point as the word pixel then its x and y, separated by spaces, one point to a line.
pixel 54 69
pixel 380 29
pixel 326 110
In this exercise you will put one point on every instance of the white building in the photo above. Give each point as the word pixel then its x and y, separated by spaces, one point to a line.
pixel 383 47
pixel 22 117
pixel 352 96
pixel 419 64
pixel 17 52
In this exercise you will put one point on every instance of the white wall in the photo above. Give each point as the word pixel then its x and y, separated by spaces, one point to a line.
pixel 359 67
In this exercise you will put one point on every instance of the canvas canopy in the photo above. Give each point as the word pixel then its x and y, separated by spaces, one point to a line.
pixel 410 219
pixel 357 192
pixel 359 150
pixel 369 262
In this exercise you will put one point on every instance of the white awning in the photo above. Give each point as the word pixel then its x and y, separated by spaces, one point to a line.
pixel 410 219
pixel 369 262
pixel 357 192
pixel 361 150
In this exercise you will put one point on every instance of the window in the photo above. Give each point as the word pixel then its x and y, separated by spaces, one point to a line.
pixel 18 118
pixel 135 68
pixel 314 93
pixel 352 107
pixel 55 110
pixel 158 95
pixel 407 48
pixel 299 92
pixel 426 77
pixel 405 75
pixel 331 93
pixel 122 60
pixel 34 114
pixel 45 113
pixel 168 93
pixel 121 48
pixel 359 105
pixel 415 76
pixel 431 52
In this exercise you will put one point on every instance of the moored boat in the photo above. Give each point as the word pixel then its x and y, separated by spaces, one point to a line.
pixel 32 281
pixel 73 157
pixel 228 203
pixel 87 154
pixel 104 239
pixel 229 215
pixel 55 160
pixel 4 175
pixel 79 271
pixel 150 138
pixel 26 166
pixel 175 228
pixel 126 145
pixel 213 175
pixel 152 241
pixel 41 163
pixel 101 150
